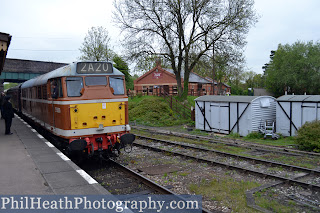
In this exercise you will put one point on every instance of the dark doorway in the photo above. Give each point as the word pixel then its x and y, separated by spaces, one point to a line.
pixel 166 89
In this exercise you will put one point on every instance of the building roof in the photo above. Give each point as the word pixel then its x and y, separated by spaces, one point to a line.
pixel 193 78
pixel 215 82
pixel 299 98
pixel 21 65
pixel 232 99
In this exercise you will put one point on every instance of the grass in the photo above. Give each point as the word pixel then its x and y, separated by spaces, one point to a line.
pixel 256 137
pixel 274 206
pixel 226 191
pixel 272 201
pixel 302 161
pixel 153 111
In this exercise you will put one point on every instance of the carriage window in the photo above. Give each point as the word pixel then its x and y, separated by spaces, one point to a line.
pixel 117 84
pixel 44 91
pixel 39 92
pixel 74 86
pixel 96 81
pixel 56 88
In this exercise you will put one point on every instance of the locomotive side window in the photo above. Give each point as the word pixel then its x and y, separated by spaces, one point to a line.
pixel 74 86
pixel 117 84
pixel 96 81
pixel 56 88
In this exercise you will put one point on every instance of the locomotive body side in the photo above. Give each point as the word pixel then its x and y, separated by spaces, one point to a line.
pixel 83 103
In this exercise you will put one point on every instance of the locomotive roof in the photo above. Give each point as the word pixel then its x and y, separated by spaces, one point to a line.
pixel 68 70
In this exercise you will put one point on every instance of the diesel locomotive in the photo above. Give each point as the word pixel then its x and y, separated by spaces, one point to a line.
pixel 83 104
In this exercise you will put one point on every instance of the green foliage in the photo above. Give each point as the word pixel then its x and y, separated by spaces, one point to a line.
pixel 153 111
pixel 294 68
pixel 237 90
pixel 191 100
pixel 234 135
pixel 228 191
pixel 122 66
pixel 9 85
pixel 96 45
pixel 308 137
pixel 254 135
pixel 143 40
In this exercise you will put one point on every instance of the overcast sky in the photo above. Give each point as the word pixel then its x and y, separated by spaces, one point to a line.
pixel 53 30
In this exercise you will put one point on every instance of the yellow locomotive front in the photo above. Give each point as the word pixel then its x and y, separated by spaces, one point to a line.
pixel 94 108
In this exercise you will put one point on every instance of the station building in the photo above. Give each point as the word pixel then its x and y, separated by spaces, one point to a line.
pixel 162 80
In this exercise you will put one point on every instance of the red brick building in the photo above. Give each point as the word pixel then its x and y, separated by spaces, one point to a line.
pixel 159 80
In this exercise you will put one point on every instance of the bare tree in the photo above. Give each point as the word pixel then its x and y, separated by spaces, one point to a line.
pixel 182 31
pixel 96 45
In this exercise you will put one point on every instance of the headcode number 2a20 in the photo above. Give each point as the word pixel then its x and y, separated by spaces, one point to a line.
pixel 98 67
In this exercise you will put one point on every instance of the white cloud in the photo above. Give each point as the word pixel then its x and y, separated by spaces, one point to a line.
pixel 63 24
pixel 282 21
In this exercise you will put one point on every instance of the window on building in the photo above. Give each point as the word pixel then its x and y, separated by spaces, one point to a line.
pixel 144 89
pixel 151 89
pixel 175 89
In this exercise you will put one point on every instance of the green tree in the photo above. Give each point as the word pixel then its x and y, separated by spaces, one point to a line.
pixel 228 64
pixel 122 66
pixel 294 68
pixel 182 31
pixel 96 45
pixel 9 85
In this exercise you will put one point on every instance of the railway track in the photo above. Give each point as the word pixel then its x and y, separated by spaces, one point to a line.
pixel 205 155
pixel 121 180
pixel 232 142
pixel 128 182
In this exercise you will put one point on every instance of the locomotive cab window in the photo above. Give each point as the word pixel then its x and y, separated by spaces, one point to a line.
pixel 96 81
pixel 56 88
pixel 74 86
pixel 117 84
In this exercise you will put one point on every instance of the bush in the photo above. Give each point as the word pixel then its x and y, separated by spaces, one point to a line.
pixel 254 135
pixel 308 137
pixel 153 111
pixel 234 135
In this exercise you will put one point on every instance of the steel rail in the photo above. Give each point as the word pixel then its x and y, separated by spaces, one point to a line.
pixel 212 162
pixel 149 182
pixel 270 163
pixel 236 142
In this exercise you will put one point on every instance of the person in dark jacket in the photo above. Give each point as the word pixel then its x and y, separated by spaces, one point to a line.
pixel 8 114
pixel 1 103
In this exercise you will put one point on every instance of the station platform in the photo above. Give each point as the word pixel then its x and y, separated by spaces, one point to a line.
pixel 30 165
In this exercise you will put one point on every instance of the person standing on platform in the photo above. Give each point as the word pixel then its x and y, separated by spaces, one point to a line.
pixel 8 114
pixel 1 103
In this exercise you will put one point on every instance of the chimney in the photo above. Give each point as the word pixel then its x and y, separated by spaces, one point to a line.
pixel 158 62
